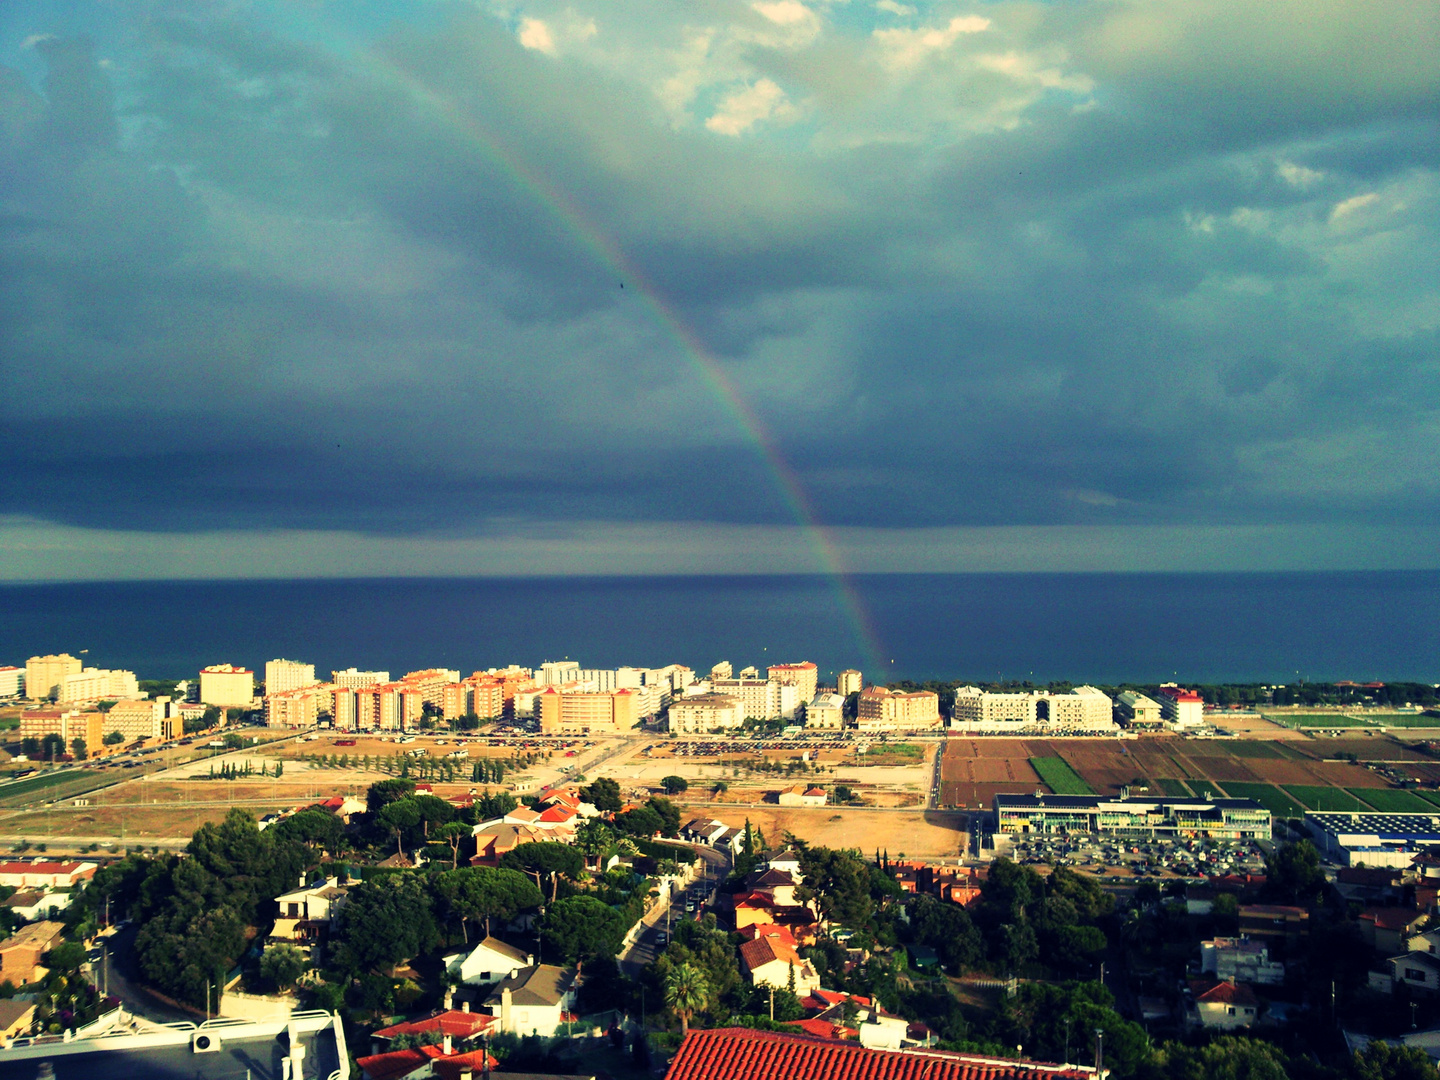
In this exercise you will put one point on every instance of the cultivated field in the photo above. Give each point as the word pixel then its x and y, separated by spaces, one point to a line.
pixel 927 834
pixel 1287 775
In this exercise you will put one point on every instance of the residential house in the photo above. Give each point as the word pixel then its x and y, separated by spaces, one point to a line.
pixel 536 1000
pixel 1425 943
pixel 823 1029
pixel 747 1054
pixel 770 962
pixel 46 875
pixel 16 1018
pixel 1417 970
pixel 33 904
pixel 801 795
pixel 458 1023
pixel 786 862
pixel 490 961
pixel 441 1061
pixel 1223 1005
pixel 1278 925
pixel 306 913
pixel 1240 960
pixel 703 830
pixel 20 953
pixel 881 1030
pixel 1386 930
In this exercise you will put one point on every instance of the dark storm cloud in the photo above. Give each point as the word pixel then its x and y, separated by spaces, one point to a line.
pixel 1097 265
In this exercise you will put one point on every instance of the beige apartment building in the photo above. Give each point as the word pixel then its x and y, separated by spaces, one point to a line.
pixel 804 676
pixel 396 706
pixel 762 699
pixel 431 683
pixel 481 694
pixel 98 684
pixel 850 682
pixel 881 709
pixel 1139 710
pixel 575 713
pixel 227 686
pixel 283 675
pixel 1083 707
pixel 826 712
pixel 45 675
pixel 299 708
pixel 705 713
pixel 137 720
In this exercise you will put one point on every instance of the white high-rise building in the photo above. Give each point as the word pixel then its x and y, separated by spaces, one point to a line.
pixel 850 682
pixel 351 679
pixel 558 673
pixel 282 676
pixel 98 684
pixel 1083 708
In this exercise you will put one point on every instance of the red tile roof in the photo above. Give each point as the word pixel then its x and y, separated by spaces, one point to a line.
pixel 1224 993
pixel 823 1029
pixel 745 1054
pixel 1390 918
pixel 766 950
pixel 398 1063
pixel 456 1022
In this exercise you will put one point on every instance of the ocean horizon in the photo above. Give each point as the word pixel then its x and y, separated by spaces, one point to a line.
pixel 1102 628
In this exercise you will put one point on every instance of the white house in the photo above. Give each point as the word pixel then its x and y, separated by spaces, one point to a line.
pixel 536 1000
pixel 771 962
pixel 313 903
pixel 1223 1005
pixel 880 1030
pixel 1240 960
pixel 490 961
pixel 788 862
pixel 1417 970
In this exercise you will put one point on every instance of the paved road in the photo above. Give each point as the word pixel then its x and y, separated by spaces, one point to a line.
pixel 649 945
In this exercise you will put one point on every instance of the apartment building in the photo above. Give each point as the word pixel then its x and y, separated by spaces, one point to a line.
pixel 803 675
pixel 137 719
pixel 558 672
pixel 577 712
pixel 826 712
pixel 284 675
pixel 431 683
pixel 395 706
pixel 762 699
pixel 44 675
pixel 1181 708
pixel 352 679
pixel 227 686
pixel 881 709
pixel 1084 707
pixel 342 708
pixel 302 707
pixel 69 724
pixel 12 681
pixel 850 682
pixel 705 713
pixel 98 684
pixel 480 694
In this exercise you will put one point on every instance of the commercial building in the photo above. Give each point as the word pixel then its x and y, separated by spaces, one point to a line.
pixel 1216 819
pixel 804 675
pixel 302 707
pixel 705 713
pixel 850 682
pixel 1374 839
pixel 881 709
pixel 44 675
pixel 1083 708
pixel 574 713
pixel 1181 708
pixel 283 675
pixel 357 680
pixel 98 684
pixel 1139 711
pixel 227 686
pixel 12 681
pixel 826 712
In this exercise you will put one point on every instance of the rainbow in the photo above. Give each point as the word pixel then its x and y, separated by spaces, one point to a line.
pixel 558 203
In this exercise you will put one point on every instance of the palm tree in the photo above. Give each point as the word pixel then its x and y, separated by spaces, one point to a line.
pixel 686 992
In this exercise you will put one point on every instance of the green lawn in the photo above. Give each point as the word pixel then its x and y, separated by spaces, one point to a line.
pixel 1316 720
pixel 1059 777
pixel 1248 749
pixel 1431 797
pixel 1392 800
pixel 49 785
pixel 1267 795
pixel 1325 798
pixel 1407 719
pixel 1174 788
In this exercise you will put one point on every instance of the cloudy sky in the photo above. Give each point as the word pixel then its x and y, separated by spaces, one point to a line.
pixel 363 286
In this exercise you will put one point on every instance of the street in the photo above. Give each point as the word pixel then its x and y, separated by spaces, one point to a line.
pixel 659 922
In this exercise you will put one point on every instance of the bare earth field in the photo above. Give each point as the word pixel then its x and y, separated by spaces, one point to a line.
pixel 928 834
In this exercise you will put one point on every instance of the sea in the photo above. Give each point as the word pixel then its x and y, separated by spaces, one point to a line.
pixel 1099 628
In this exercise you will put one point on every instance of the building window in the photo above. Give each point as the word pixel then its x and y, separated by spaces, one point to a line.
pixel 1414 975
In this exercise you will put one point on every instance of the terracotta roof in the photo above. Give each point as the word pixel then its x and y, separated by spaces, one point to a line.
pixel 766 950
pixel 456 1022
pixel 775 930
pixel 398 1063
pixel 823 1029
pixel 1390 918
pixel 745 1054
pixel 1223 993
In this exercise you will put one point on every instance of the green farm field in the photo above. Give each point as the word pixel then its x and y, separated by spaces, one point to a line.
pixel 1393 800
pixel 1325 798
pixel 1174 788
pixel 1059 777
pixel 1267 795
pixel 1316 720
